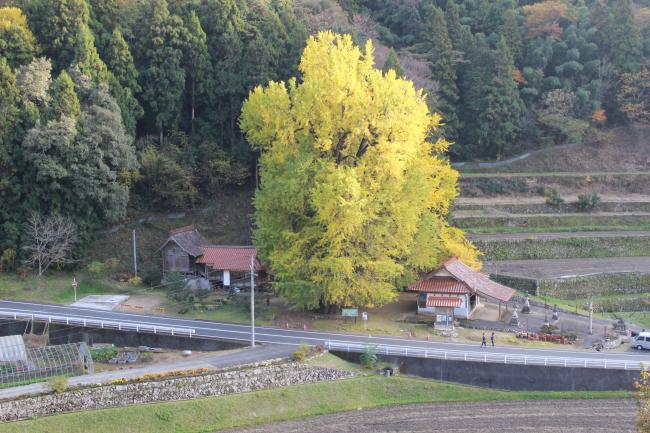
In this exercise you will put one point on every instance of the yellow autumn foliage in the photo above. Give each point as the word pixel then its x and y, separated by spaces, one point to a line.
pixel 354 194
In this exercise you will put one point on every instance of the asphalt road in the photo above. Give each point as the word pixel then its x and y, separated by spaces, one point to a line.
pixel 559 268
pixel 539 416
pixel 290 337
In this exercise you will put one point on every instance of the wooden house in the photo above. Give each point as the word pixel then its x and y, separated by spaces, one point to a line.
pixel 455 291
pixel 186 251
pixel 181 250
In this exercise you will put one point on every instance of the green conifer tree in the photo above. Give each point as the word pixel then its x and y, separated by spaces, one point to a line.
pixel 198 67
pixel 64 100
pixel 163 78
pixel 454 28
pixel 392 62
pixel 57 25
pixel 442 60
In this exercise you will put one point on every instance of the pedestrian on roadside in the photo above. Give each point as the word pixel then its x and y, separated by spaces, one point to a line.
pixel 492 339
pixel 484 341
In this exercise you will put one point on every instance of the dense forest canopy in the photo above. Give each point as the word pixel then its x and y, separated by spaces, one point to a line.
pixel 111 105
pixel 513 74
pixel 108 104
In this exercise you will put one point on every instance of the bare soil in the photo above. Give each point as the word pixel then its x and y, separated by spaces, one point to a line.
pixel 540 416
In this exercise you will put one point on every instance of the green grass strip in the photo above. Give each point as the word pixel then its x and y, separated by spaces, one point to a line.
pixel 217 413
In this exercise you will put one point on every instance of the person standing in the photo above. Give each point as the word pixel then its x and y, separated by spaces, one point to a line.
pixel 484 341
pixel 492 339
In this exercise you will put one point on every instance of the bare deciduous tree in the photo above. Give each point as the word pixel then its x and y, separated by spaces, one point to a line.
pixel 50 241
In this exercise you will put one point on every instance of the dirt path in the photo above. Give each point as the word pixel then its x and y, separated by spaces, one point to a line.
pixel 541 416
pixel 557 235
pixel 558 268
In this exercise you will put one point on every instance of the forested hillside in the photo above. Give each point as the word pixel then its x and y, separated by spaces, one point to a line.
pixel 525 73
pixel 109 106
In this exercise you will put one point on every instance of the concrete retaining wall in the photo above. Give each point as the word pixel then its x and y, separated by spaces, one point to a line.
pixel 62 334
pixel 243 379
pixel 512 377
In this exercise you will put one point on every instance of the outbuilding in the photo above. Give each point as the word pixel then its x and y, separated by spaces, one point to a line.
pixel 187 252
pixel 230 265
pixel 181 250
pixel 455 291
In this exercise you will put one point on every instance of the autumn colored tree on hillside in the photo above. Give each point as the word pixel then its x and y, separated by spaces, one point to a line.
pixel 634 95
pixel 354 196
pixel 543 19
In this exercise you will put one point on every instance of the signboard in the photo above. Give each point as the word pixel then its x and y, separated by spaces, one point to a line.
pixel 364 316
pixel 350 312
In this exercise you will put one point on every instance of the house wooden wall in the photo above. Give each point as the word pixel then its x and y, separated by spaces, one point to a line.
pixel 175 259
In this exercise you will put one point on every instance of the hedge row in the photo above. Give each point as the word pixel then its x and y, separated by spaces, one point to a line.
pixel 565 248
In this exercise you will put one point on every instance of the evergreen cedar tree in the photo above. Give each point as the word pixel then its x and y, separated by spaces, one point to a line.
pixel 354 195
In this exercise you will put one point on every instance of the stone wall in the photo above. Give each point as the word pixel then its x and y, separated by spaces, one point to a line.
pixel 228 381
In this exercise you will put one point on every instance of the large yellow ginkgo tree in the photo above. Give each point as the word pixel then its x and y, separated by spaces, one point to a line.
pixel 354 194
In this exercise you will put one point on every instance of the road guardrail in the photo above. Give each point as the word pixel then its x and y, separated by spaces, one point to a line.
pixel 483 356
pixel 98 323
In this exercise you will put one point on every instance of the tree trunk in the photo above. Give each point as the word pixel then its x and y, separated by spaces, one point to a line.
pixel 232 126
pixel 161 136
pixel 193 102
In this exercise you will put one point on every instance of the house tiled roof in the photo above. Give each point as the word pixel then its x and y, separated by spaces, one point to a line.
pixel 443 301
pixel 439 285
pixel 477 281
pixel 189 239
pixel 232 258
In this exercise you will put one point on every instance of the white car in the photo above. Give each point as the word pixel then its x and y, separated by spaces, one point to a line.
pixel 642 341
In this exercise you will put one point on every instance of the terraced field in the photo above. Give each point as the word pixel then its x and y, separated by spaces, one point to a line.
pixel 562 251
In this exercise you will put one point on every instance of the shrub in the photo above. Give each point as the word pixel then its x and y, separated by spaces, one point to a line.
pixel 553 197
pixel 146 356
pixel 103 354
pixel 135 281
pixel 587 202
pixel 152 276
pixel 111 264
pixel 301 353
pixel 369 357
pixel 7 259
pixel 58 384
pixel 95 268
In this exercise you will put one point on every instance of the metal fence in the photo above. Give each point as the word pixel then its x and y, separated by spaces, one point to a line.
pixel 22 365
pixel 499 358
pixel 98 323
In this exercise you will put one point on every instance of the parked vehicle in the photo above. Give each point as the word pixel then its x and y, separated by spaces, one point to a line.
pixel 642 341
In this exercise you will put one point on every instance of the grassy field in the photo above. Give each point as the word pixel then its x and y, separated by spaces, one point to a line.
pixel 217 413
pixel 56 287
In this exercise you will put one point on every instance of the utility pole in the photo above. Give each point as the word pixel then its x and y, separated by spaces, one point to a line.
pixel 252 301
pixel 135 257
pixel 591 318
